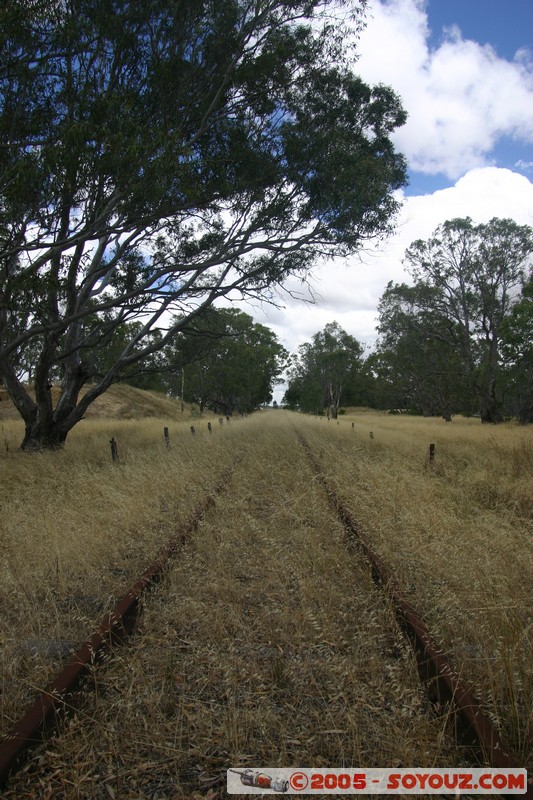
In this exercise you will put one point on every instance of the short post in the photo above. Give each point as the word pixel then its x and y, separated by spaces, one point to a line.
pixel 431 453
pixel 114 449
pixel 353 425
pixel 167 437
pixel 227 419
pixel 209 428
pixel 193 430
pixel 371 434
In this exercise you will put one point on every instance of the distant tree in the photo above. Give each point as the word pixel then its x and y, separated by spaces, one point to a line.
pixel 156 156
pixel 231 363
pixel 378 390
pixel 466 281
pixel 147 373
pixel 422 371
pixel 517 350
pixel 304 391
pixel 324 371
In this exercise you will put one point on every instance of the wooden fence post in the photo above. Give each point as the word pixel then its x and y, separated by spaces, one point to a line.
pixel 167 437
pixel 193 430
pixel 114 449
pixel 431 453
pixel 209 428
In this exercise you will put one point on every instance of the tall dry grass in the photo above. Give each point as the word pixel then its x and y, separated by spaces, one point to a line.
pixel 268 643
pixel 76 529
pixel 458 533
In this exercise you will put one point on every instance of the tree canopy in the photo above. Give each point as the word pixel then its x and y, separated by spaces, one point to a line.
pixel 228 362
pixel 517 351
pixel 156 156
pixel 442 339
pixel 325 371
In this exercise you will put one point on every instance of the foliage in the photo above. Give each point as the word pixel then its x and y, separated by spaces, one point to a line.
pixel 325 371
pixel 158 156
pixel 229 362
pixel 415 362
pixel 517 350
pixel 441 339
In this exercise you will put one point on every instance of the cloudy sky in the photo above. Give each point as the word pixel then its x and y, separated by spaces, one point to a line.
pixel 464 70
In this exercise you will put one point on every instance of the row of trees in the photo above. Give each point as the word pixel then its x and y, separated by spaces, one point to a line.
pixel 223 361
pixel 326 372
pixel 459 338
pixel 156 157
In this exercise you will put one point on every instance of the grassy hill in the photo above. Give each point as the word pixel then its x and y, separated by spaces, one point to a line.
pixel 120 401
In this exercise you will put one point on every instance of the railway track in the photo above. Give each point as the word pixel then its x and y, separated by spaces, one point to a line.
pixel 59 698
pixel 471 723
pixel 284 597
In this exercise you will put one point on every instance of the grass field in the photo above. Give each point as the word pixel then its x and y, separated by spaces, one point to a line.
pixel 458 534
pixel 268 643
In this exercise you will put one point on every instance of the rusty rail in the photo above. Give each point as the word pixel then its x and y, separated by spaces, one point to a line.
pixel 60 696
pixel 476 729
pixel 54 703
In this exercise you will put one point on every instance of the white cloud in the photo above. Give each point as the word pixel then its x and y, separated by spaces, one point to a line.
pixel 350 292
pixel 460 97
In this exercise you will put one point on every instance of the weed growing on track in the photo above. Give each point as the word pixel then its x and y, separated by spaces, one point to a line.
pixel 268 645
pixel 271 645
pixel 458 534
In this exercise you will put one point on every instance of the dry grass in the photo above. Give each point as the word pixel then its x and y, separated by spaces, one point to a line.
pixel 76 529
pixel 268 643
pixel 120 401
pixel 458 534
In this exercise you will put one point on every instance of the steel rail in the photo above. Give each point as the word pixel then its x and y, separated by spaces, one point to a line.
pixel 54 702
pixel 59 697
pixel 434 667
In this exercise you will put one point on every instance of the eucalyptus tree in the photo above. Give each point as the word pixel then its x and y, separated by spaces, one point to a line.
pixel 156 156
pixel 416 363
pixel 324 371
pixel 517 349
pixel 231 363
pixel 466 280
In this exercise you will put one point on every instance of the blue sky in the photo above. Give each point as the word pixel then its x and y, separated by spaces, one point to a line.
pixel 464 71
pixel 506 26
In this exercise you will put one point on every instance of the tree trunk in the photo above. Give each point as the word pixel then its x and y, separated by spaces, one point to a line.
pixel 489 406
pixel 489 409
pixel 46 427
pixel 333 395
pixel 43 434
pixel 525 414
